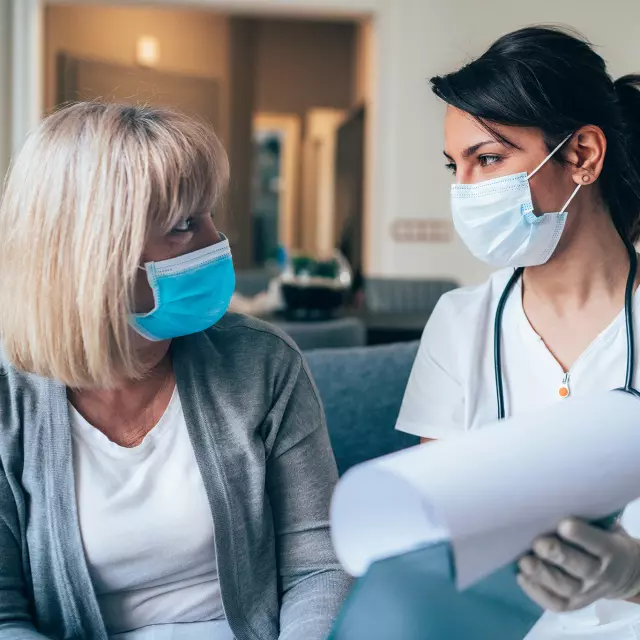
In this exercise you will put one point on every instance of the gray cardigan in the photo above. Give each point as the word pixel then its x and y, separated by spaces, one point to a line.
pixel 262 447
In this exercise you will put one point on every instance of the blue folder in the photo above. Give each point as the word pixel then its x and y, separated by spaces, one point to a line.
pixel 414 597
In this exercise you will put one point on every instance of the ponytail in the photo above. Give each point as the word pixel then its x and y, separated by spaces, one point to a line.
pixel 627 91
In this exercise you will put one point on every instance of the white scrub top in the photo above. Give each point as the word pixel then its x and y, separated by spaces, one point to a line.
pixel 452 390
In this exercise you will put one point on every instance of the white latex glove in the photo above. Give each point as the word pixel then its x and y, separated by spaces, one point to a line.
pixel 579 565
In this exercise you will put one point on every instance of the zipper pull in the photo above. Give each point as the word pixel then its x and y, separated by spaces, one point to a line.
pixel 564 390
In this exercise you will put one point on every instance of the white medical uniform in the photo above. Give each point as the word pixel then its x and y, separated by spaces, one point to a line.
pixel 452 390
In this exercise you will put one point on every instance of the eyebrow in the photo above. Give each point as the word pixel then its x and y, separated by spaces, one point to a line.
pixel 469 151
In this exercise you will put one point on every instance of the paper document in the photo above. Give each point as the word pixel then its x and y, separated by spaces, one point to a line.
pixel 493 491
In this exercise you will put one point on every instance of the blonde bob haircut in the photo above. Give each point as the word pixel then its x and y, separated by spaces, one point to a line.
pixel 80 200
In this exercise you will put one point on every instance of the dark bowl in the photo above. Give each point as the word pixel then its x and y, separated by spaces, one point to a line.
pixel 312 301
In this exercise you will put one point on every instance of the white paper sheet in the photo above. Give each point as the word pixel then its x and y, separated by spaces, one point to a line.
pixel 493 491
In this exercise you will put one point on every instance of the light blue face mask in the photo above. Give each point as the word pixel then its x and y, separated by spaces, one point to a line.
pixel 191 292
pixel 495 219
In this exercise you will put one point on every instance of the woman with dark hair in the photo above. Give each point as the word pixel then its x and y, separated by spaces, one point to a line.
pixel 545 149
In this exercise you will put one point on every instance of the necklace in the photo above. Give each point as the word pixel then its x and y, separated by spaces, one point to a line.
pixel 145 419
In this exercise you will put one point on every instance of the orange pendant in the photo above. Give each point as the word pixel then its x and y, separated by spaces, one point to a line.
pixel 564 390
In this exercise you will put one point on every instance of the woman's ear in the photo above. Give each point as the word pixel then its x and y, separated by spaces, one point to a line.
pixel 585 153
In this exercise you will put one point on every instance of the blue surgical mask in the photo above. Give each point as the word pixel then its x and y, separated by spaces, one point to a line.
pixel 191 292
pixel 495 219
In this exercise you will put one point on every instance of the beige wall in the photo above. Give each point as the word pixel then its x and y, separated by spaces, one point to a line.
pixel 191 42
pixel 303 65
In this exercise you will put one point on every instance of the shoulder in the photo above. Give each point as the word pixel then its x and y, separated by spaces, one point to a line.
pixel 239 332
pixel 237 322
pixel 24 400
pixel 244 371
pixel 454 340
pixel 458 305
pixel 462 321
pixel 240 353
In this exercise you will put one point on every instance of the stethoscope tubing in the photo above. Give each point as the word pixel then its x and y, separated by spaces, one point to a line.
pixel 628 312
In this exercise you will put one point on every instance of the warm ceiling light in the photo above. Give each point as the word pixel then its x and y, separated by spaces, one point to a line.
pixel 147 51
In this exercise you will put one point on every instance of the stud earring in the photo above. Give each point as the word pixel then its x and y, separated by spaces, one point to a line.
pixel 586 178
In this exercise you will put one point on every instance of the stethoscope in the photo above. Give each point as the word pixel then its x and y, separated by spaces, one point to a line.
pixel 628 313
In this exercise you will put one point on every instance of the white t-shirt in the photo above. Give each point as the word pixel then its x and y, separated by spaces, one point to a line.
pixel 147 531
pixel 452 390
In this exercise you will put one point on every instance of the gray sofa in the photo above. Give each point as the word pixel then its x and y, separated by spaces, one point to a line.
pixel 361 390
pixel 391 295
pixel 327 334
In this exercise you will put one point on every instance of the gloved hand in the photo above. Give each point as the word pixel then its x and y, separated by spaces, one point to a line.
pixel 579 565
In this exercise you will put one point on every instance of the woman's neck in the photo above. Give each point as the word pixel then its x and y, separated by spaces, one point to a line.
pixel 591 263
pixel 573 298
pixel 125 414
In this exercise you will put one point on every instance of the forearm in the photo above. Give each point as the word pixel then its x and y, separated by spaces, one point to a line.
pixel 311 604
pixel 301 476
pixel 15 608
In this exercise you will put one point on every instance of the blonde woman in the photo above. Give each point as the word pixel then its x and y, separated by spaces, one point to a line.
pixel 165 468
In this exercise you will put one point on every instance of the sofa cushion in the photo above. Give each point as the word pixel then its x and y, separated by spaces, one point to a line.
pixel 362 390
pixel 339 333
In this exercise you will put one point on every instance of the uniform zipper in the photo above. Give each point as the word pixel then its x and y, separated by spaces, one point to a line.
pixel 565 391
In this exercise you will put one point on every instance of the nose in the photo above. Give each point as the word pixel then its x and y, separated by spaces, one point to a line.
pixel 464 175
pixel 208 234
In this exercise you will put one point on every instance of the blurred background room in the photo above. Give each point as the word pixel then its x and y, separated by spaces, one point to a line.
pixel 338 206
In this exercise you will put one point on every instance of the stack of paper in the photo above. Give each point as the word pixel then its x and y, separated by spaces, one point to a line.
pixel 491 492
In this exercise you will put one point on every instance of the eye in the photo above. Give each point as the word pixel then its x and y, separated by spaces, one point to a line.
pixel 185 225
pixel 489 159
pixel 451 166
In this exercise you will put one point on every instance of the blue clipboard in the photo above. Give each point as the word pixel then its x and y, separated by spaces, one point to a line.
pixel 414 597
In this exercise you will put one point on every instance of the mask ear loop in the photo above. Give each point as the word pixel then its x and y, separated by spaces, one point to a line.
pixel 533 173
pixel 571 197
